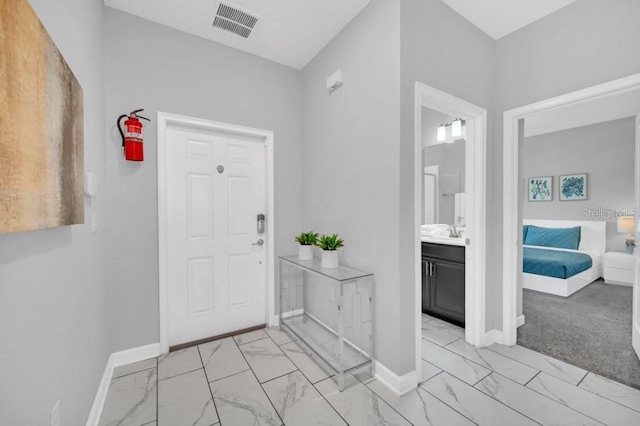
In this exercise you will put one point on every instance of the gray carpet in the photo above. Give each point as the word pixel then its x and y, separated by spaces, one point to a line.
pixel 590 329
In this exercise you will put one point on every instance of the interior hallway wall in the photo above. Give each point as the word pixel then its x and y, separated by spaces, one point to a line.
pixel 52 281
pixel 443 50
pixel 586 43
pixel 350 159
pixel 157 68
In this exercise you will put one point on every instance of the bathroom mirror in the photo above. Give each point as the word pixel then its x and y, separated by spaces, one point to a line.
pixel 444 173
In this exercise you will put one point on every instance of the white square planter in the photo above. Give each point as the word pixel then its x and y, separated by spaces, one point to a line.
pixel 329 259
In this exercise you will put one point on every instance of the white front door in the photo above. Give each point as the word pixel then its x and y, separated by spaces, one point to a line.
pixel 215 188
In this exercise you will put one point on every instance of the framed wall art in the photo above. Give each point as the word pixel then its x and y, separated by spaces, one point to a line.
pixel 42 133
pixel 573 187
pixel 540 188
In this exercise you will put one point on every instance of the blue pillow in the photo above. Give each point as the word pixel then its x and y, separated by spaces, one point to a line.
pixel 567 238
pixel 525 229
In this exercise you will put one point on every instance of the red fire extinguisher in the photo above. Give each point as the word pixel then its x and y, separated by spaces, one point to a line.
pixel 132 135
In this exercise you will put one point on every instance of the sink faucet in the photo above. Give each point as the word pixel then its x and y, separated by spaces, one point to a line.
pixel 453 232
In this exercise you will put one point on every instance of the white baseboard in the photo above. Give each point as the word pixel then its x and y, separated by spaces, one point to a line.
pixel 132 355
pixel 274 321
pixel 400 385
pixel 520 321
pixel 493 336
pixel 101 395
pixel 117 359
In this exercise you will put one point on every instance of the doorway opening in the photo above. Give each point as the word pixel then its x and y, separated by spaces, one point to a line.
pixel 473 212
pixel 232 149
pixel 616 104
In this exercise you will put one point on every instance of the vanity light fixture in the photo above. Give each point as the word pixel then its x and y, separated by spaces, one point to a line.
pixel 456 127
pixel 441 132
pixel 456 130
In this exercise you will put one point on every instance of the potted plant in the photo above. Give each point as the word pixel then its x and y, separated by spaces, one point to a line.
pixel 329 245
pixel 307 240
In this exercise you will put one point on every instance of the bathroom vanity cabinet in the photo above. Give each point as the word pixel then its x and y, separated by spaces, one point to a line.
pixel 443 289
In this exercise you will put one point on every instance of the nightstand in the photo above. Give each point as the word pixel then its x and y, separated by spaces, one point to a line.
pixel 618 268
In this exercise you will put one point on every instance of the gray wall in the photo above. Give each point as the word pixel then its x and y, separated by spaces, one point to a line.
pixel 586 43
pixel 52 285
pixel 350 160
pixel 160 69
pixel 606 152
pixel 443 50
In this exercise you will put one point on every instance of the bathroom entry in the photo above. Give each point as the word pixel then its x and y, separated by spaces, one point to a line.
pixel 442 257
pixel 442 231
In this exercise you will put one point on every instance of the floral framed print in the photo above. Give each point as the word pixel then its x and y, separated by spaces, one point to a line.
pixel 540 188
pixel 573 187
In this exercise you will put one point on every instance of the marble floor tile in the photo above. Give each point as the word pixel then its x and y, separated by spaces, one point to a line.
pixel 266 360
pixel 617 392
pixel 541 362
pixel 437 335
pixel 590 404
pixel 363 374
pixel 299 403
pixel 428 371
pixel 278 336
pixel 508 367
pixel 420 407
pixel 460 367
pixel 123 370
pixel 131 400
pixel 473 404
pixel 222 358
pixel 240 400
pixel 427 318
pixel 178 362
pixel 448 327
pixel 186 400
pixel 251 336
pixel 359 405
pixel 530 403
pixel 313 369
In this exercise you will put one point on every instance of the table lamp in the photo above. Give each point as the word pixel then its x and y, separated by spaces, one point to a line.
pixel 626 225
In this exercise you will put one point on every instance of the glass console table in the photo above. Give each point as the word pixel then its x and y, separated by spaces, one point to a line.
pixel 330 311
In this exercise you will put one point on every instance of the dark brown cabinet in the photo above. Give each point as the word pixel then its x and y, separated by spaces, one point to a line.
pixel 443 280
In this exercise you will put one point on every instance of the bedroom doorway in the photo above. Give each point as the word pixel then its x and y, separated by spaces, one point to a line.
pixel 474 210
pixel 615 100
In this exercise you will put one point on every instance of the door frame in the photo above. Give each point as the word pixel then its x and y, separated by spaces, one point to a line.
pixel 476 190
pixel 165 120
pixel 511 187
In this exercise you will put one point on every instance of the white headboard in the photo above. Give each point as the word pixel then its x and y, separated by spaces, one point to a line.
pixel 593 234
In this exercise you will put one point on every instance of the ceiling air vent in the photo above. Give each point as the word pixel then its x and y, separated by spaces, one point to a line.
pixel 231 18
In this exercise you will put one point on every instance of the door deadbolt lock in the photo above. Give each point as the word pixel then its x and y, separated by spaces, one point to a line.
pixel 260 224
pixel 260 242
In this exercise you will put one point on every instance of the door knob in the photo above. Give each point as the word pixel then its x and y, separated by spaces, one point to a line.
pixel 258 243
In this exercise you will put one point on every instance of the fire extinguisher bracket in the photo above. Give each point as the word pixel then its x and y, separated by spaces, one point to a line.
pixel 132 135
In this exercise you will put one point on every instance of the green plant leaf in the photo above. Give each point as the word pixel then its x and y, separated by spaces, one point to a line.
pixel 307 238
pixel 330 242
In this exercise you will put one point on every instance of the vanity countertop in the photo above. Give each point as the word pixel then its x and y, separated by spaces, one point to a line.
pixel 443 240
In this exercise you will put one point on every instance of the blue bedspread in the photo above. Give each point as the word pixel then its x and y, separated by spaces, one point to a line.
pixel 553 263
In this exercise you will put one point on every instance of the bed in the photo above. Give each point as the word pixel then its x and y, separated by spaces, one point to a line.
pixel 560 270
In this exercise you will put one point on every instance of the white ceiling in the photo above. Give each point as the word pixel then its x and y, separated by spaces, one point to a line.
pixel 291 32
pixel 501 17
